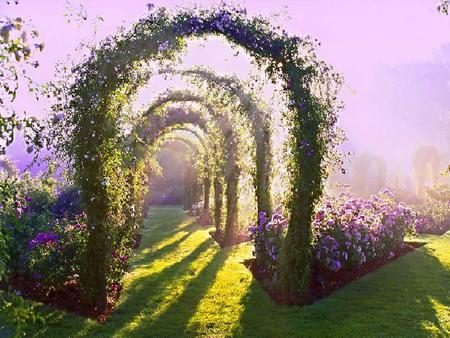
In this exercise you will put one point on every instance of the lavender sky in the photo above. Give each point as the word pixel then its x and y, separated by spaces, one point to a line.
pixel 393 54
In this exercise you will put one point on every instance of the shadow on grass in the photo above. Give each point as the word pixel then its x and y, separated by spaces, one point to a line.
pixel 407 297
pixel 147 255
pixel 142 301
pixel 145 293
pixel 174 320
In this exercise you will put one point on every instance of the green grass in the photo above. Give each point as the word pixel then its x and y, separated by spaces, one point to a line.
pixel 182 284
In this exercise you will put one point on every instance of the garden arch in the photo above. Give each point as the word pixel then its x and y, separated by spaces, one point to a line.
pixel 174 118
pixel 110 76
pixel 232 171
pixel 259 122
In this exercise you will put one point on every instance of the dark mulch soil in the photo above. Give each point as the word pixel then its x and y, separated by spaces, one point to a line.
pixel 242 238
pixel 66 298
pixel 323 281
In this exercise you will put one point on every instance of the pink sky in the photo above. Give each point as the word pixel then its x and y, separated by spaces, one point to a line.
pixel 374 44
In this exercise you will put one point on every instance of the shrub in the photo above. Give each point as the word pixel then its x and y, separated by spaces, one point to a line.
pixel 68 203
pixel 434 217
pixel 40 190
pixel 55 255
pixel 18 224
pixel 268 236
pixel 350 231
pixel 19 313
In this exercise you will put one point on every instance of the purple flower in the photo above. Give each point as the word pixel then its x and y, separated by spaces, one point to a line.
pixel 43 239
pixel 335 265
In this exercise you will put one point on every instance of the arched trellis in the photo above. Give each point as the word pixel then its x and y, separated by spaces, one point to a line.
pixel 110 76
pixel 179 120
pixel 231 171
pixel 259 121
pixel 205 218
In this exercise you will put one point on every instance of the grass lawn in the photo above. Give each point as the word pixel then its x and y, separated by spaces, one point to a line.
pixel 182 284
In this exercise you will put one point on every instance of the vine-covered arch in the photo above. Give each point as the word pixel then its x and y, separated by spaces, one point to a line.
pixel 231 170
pixel 260 127
pixel 110 76
pixel 174 118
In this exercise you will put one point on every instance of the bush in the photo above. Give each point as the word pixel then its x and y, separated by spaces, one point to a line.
pixel 43 234
pixel 55 255
pixel 348 231
pixel 19 313
pixel 434 217
pixel 268 236
pixel 19 220
pixel 68 203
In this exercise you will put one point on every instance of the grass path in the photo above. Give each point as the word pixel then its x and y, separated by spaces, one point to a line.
pixel 183 285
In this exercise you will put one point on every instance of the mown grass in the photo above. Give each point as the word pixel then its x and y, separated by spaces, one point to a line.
pixel 183 285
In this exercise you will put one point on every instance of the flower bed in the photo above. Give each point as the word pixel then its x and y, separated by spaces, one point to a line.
pixel 43 238
pixel 349 234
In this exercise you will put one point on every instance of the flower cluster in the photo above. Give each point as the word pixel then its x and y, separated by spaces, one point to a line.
pixel 119 265
pixel 55 255
pixel 43 239
pixel 350 231
pixel 268 235
pixel 21 205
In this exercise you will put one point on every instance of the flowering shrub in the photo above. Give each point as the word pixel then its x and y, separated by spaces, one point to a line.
pixel 22 216
pixel 350 231
pixel 55 255
pixel 268 236
pixel 434 217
